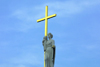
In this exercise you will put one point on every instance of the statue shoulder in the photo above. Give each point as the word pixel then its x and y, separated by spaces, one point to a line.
pixel 53 43
pixel 52 40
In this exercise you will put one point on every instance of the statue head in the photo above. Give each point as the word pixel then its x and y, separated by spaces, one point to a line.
pixel 50 35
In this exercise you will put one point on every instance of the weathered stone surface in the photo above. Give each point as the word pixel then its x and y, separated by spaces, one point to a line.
pixel 49 48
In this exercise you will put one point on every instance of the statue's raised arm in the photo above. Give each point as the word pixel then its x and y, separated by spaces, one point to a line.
pixel 44 42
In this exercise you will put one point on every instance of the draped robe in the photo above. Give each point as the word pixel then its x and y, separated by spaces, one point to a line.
pixel 50 53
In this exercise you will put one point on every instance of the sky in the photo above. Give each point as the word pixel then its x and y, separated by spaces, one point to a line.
pixel 75 29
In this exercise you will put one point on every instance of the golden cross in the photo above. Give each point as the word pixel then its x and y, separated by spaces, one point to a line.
pixel 46 23
pixel 46 19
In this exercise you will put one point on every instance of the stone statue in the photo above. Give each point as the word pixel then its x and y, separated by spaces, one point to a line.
pixel 49 48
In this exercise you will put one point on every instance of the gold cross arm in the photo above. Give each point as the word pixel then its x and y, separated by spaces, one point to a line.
pixel 46 19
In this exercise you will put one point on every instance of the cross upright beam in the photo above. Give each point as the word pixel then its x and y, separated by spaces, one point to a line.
pixel 46 19
pixel 46 23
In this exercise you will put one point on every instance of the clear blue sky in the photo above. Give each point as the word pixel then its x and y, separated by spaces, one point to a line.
pixel 76 31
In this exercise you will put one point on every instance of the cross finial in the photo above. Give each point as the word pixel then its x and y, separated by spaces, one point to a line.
pixel 46 19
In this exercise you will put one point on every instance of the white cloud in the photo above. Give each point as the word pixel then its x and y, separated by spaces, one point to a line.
pixel 29 15
pixel 21 66
pixel 27 58
pixel 29 55
pixel 26 55
pixel 11 65
pixel 4 43
pixel 91 47
pixel 66 8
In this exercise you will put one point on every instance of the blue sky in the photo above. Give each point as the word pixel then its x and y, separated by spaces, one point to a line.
pixel 75 29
